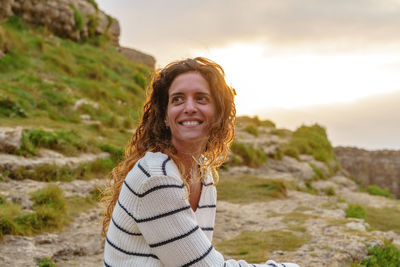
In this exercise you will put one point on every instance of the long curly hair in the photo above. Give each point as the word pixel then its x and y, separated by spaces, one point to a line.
pixel 153 135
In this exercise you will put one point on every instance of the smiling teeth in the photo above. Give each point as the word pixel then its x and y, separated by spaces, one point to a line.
pixel 187 123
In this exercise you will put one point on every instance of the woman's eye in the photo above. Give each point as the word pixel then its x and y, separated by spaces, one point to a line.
pixel 177 99
pixel 203 99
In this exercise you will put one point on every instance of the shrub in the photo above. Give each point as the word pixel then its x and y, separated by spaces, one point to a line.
pixel 313 140
pixel 251 129
pixel 388 256
pixel 252 157
pixel 355 211
pixel 377 191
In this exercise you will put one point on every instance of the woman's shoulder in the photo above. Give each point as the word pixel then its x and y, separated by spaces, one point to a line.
pixel 153 164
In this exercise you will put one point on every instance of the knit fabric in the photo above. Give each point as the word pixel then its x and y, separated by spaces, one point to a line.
pixel 153 224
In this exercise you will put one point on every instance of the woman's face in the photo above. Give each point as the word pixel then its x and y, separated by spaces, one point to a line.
pixel 190 111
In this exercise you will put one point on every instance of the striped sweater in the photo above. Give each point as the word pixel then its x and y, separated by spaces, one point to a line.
pixel 153 224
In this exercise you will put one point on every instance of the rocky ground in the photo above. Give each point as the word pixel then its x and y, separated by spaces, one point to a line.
pixel 332 239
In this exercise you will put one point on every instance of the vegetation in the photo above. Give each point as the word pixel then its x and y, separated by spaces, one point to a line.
pixel 388 256
pixel 51 211
pixel 69 143
pixel 247 188
pixel 377 191
pixel 46 262
pixel 53 172
pixel 383 219
pixel 255 121
pixel 312 140
pixel 251 129
pixel 43 76
pixel 255 246
pixel 355 211
pixel 318 173
pixel 248 155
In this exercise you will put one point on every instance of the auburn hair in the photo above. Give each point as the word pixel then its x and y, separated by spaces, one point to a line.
pixel 153 135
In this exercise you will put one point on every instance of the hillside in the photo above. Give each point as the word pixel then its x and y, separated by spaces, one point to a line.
pixel 67 109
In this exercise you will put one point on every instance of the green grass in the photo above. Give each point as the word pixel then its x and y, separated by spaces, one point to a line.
pixel 377 191
pixel 248 155
pixel 66 142
pixel 46 262
pixel 247 189
pixel 51 211
pixel 255 121
pixel 355 211
pixel 42 76
pixel 254 246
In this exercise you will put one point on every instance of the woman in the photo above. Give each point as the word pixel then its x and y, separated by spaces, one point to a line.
pixel 162 199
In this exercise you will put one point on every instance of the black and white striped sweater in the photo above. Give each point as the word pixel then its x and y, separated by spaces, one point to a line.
pixel 153 224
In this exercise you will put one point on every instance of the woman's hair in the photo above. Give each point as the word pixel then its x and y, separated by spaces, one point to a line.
pixel 153 135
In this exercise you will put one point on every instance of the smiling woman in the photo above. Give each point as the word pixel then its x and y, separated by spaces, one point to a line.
pixel 161 200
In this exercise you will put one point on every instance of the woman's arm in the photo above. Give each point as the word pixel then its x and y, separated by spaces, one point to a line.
pixel 169 226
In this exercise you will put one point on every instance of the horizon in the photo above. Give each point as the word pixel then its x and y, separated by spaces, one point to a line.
pixel 285 58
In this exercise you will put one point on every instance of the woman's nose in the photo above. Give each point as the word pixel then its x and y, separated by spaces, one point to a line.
pixel 190 106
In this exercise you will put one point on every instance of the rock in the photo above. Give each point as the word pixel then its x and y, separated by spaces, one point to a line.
pixel 356 226
pixel 85 101
pixel 381 167
pixel 301 170
pixel 137 56
pixel 10 139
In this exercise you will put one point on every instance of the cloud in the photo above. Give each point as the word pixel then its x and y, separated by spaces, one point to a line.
pixel 372 122
pixel 332 24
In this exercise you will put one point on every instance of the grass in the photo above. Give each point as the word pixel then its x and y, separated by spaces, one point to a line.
pixel 355 211
pixel 248 155
pixel 255 121
pixel 247 189
pixel 377 191
pixel 53 172
pixel 254 246
pixel 251 129
pixel 312 140
pixel 42 76
pixel 297 217
pixel 46 262
pixel 383 219
pixel 318 173
pixel 51 211
pixel 66 142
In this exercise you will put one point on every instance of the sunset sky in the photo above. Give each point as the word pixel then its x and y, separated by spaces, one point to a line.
pixel 332 62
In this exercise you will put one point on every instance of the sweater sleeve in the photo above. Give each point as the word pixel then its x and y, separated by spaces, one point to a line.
pixel 169 226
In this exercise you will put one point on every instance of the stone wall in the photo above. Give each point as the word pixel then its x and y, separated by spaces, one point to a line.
pixel 381 167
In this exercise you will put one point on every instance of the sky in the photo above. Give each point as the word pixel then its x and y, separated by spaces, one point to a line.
pixel 336 63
